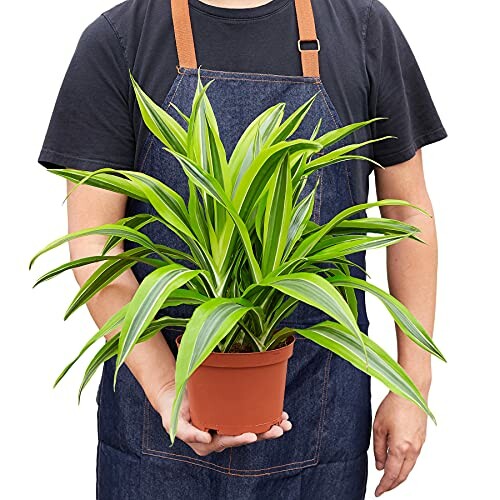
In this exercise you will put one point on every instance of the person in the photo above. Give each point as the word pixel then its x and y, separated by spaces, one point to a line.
pixel 258 53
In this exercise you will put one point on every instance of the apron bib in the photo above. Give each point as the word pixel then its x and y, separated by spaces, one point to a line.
pixel 328 400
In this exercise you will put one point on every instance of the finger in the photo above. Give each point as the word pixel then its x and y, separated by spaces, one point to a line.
pixel 380 447
pixel 274 432
pixel 220 441
pixel 286 425
pixel 408 464
pixel 392 469
pixel 188 433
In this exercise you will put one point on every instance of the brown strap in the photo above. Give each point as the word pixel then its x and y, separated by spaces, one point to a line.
pixel 305 20
pixel 307 33
pixel 183 34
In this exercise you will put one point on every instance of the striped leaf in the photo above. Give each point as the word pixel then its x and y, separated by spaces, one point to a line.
pixel 110 350
pixel 209 185
pixel 84 261
pixel 168 203
pixel 315 236
pixel 334 136
pixel 300 216
pixel 277 217
pixel 120 231
pixel 159 122
pixel 319 293
pixel 401 314
pixel 354 244
pixel 258 174
pixel 137 221
pixel 292 123
pixel 332 156
pixel 250 142
pixel 342 342
pixel 108 179
pixel 104 275
pixel 147 301
pixel 113 322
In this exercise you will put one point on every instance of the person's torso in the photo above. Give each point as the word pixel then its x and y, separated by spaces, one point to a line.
pixel 260 39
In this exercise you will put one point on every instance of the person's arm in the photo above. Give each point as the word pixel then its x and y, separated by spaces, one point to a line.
pixel 399 425
pixel 152 362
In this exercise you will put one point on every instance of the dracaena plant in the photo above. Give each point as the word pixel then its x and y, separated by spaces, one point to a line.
pixel 254 252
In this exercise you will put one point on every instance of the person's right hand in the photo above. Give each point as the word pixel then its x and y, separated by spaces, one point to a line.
pixel 203 443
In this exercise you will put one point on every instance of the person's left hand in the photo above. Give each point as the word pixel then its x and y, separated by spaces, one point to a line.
pixel 399 431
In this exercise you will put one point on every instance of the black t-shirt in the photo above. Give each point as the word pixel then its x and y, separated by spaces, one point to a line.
pixel 366 65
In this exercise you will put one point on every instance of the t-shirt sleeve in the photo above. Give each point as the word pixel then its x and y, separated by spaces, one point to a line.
pixel 91 126
pixel 398 92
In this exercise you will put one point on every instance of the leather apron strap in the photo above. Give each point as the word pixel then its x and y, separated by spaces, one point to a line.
pixel 305 21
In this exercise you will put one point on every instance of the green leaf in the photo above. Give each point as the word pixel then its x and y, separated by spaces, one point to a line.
pixel 147 301
pixel 84 261
pixel 330 157
pixel 113 322
pixel 300 216
pixel 208 326
pixel 308 170
pixel 292 123
pixel 342 342
pixel 106 229
pixel 137 221
pixel 334 136
pixel 168 203
pixel 107 351
pixel 315 236
pixel 159 122
pixel 374 225
pixel 354 244
pixel 317 292
pixel 401 314
pixel 258 174
pixel 209 185
pixel 250 142
pixel 112 181
pixel 277 217
pixel 104 275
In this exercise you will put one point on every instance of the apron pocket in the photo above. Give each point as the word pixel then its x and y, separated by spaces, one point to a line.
pixel 305 401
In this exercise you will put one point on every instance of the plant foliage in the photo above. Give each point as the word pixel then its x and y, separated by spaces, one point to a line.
pixel 254 252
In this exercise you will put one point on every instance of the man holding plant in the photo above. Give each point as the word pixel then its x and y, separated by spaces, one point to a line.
pixel 367 66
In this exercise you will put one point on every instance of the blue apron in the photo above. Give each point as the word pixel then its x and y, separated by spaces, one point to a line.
pixel 324 456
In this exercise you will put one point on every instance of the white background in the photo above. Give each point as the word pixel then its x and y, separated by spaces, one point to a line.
pixel 49 442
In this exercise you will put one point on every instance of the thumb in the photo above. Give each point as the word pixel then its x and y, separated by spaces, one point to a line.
pixel 191 434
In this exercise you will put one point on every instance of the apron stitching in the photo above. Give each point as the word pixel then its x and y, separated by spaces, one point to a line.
pixel 211 466
pixel 151 135
pixel 306 79
pixel 254 80
pixel 338 125
pixel 195 461
pixel 323 405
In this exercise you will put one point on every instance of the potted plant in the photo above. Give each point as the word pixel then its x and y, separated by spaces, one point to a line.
pixel 254 255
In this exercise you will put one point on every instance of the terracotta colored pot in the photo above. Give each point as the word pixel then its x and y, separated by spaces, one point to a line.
pixel 234 393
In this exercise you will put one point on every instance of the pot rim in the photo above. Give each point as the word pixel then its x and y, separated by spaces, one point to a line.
pixel 248 359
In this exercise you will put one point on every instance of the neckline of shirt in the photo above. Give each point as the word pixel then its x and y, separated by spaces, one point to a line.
pixel 247 13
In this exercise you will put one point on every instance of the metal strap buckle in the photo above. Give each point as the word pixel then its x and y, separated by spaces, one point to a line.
pixel 307 50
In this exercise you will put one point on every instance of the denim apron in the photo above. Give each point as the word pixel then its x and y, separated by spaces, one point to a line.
pixel 324 456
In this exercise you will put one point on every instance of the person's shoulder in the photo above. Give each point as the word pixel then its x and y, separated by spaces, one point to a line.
pixel 127 24
pixel 352 13
pixel 132 13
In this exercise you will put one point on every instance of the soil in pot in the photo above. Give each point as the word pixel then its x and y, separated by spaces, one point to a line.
pixel 238 392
